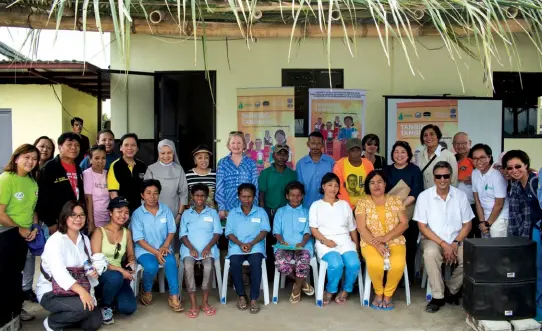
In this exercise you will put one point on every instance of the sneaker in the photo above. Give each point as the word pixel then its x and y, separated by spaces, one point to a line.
pixel 29 295
pixel 107 316
pixel 46 325
pixel 26 316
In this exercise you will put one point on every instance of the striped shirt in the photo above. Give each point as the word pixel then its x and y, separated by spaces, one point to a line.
pixel 229 177
pixel 208 179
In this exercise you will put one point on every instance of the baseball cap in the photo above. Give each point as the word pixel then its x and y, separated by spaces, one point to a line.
pixel 354 143
pixel 499 160
pixel 281 147
pixel 202 148
pixel 117 203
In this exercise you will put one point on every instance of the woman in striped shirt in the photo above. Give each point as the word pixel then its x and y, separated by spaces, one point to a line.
pixel 233 170
pixel 203 174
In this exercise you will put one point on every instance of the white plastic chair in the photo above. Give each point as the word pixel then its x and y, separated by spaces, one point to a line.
pixel 218 275
pixel 368 282
pixel 264 284
pixel 161 280
pixel 428 292
pixel 282 277
pixel 322 279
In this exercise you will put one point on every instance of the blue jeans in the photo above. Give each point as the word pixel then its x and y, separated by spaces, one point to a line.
pixel 150 269
pixel 116 289
pixel 536 238
pixel 236 269
pixel 349 261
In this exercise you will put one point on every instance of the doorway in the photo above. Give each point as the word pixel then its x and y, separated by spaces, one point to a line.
pixel 185 111
pixel 6 147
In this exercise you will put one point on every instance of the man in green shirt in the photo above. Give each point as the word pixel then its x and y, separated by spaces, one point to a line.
pixel 272 183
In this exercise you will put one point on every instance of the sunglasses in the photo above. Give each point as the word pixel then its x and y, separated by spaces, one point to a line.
pixel 236 133
pixel 518 166
pixel 282 146
pixel 440 176
pixel 117 251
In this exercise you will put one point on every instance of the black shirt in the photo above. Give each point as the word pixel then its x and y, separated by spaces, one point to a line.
pixel 127 183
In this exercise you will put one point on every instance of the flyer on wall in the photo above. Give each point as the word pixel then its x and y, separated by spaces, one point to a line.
pixel 266 117
pixel 412 116
pixel 339 115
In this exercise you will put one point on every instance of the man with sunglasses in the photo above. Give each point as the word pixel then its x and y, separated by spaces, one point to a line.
pixel 272 183
pixel 444 218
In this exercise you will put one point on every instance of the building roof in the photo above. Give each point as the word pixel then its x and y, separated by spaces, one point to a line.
pixel 82 76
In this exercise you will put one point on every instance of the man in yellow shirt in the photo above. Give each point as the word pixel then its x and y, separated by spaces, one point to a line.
pixel 352 171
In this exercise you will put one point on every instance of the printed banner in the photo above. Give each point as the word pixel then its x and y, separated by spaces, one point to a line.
pixel 539 117
pixel 413 116
pixel 339 115
pixel 266 117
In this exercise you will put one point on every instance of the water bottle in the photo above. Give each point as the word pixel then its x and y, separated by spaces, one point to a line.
pixel 260 157
pixel 485 235
pixel 89 269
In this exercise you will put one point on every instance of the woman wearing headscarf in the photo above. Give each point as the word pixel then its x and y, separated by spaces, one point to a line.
pixel 171 175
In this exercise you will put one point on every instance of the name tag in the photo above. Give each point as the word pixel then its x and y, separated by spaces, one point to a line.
pixel 302 219
pixel 255 220
pixel 163 220
pixel 208 219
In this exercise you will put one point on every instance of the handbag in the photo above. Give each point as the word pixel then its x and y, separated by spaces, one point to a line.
pixel 37 245
pixel 77 273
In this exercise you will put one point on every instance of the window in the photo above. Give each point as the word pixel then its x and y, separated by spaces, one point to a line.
pixel 303 80
pixel 519 93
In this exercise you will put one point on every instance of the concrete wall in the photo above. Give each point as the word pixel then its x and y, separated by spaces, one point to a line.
pixel 35 112
pixel 261 65
pixel 82 105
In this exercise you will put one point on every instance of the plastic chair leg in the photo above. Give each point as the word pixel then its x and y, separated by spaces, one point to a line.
pixel 367 290
pixel 321 286
pixel 265 283
pixel 360 286
pixel 314 267
pixel 407 286
pixel 224 292
pixel 218 279
pixel 276 285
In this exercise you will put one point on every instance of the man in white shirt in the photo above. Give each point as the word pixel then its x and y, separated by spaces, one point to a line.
pixel 444 217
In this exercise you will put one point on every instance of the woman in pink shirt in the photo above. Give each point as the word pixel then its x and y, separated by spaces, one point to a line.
pixel 95 185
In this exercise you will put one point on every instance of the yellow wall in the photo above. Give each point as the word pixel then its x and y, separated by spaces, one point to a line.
pixel 261 65
pixel 82 105
pixel 35 112
pixel 533 147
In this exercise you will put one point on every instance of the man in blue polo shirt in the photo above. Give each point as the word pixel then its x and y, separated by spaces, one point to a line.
pixel 311 168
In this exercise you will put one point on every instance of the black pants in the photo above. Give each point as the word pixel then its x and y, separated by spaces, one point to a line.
pixel 270 240
pixel 411 237
pixel 475 231
pixel 68 312
pixel 13 249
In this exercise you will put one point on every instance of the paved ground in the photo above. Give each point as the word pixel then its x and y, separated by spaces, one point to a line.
pixel 285 316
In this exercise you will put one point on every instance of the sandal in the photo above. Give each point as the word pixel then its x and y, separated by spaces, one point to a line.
pixel 254 308
pixel 387 306
pixel 295 298
pixel 327 298
pixel 308 289
pixel 208 311
pixel 242 303
pixel 192 313
pixel 341 298
pixel 376 305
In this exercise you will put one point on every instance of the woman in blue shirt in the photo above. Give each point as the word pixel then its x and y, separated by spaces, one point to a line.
pixel 232 171
pixel 199 234
pixel 246 230
pixel 153 229
pixel 291 227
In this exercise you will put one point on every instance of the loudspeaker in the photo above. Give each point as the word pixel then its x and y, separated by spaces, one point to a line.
pixel 497 260
pixel 499 301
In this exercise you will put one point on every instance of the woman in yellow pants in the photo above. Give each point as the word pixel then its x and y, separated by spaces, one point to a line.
pixel 381 221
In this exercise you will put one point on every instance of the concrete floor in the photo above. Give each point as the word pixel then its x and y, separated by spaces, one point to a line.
pixel 285 316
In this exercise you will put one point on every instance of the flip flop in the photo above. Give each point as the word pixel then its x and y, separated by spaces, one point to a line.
pixel 327 298
pixel 295 298
pixel 377 306
pixel 192 313
pixel 387 306
pixel 208 311
pixel 341 298
pixel 308 289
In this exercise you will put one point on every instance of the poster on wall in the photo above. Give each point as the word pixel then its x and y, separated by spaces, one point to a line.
pixel 339 115
pixel 539 117
pixel 413 116
pixel 266 117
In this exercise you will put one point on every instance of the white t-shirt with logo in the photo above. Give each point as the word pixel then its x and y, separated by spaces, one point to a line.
pixel 490 186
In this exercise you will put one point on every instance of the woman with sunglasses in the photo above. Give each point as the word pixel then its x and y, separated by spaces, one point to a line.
pixel 95 186
pixel 114 241
pixel 371 146
pixel 232 171
pixel 404 179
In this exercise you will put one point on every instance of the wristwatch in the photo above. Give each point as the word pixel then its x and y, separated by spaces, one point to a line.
pixel 487 224
pixel 458 243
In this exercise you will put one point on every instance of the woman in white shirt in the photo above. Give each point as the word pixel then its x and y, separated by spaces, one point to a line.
pixel 489 187
pixel 332 225
pixel 68 249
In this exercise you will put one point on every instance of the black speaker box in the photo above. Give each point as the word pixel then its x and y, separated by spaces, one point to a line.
pixel 499 301
pixel 497 260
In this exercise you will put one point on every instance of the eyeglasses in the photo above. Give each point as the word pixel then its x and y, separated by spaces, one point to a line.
pixel 75 216
pixel 372 144
pixel 482 158
pixel 117 251
pixel 440 176
pixel 518 166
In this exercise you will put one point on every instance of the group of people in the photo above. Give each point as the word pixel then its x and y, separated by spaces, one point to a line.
pixel 139 217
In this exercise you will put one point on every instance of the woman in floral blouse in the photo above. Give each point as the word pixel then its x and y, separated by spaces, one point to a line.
pixel 381 221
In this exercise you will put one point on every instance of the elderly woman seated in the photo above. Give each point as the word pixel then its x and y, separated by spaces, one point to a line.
pixel 381 221
pixel 246 230
pixel 200 231
pixel 153 229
